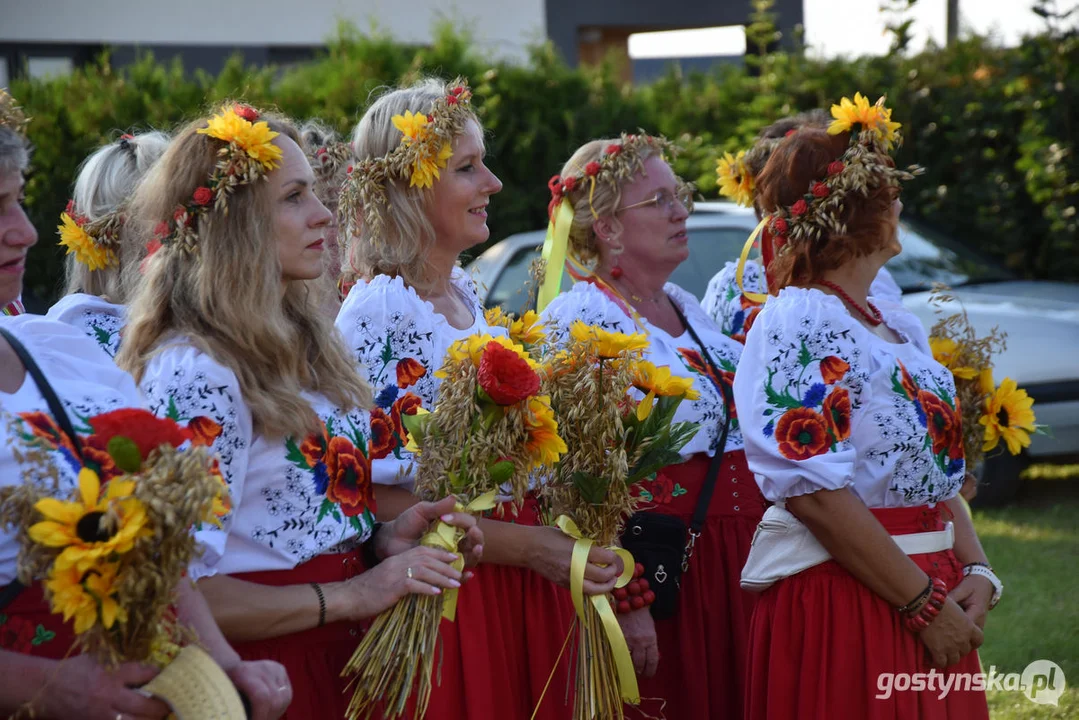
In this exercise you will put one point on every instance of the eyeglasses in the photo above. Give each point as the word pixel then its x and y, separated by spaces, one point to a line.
pixel 665 201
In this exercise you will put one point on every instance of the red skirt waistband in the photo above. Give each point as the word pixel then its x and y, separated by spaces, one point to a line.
pixel 918 519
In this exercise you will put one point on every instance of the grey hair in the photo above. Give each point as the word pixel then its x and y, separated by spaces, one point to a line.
pixel 14 152
pixel 105 180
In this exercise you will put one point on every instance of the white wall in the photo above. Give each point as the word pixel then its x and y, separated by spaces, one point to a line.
pixel 504 27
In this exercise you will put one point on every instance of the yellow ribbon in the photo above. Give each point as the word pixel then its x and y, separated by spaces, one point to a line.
pixel 446 537
pixel 627 679
pixel 758 298
pixel 554 253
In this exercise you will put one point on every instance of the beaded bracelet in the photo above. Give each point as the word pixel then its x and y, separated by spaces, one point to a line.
pixel 929 611
pixel 634 596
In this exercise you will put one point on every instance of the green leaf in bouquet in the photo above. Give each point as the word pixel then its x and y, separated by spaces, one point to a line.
pixel 681 433
pixel 417 426
pixel 457 481
pixel 593 489
pixel 655 459
pixel 500 471
pixel 125 453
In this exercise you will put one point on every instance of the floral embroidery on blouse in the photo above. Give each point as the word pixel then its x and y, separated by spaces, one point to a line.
pixel 728 306
pixel 338 461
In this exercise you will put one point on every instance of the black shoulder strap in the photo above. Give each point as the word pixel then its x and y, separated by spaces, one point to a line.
pixel 701 511
pixel 43 386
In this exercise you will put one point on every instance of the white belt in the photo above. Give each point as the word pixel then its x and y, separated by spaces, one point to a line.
pixel 783 546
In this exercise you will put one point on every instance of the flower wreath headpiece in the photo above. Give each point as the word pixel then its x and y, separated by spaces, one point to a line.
pixel 862 167
pixel 425 148
pixel 617 164
pixel 11 115
pixel 247 156
pixel 329 160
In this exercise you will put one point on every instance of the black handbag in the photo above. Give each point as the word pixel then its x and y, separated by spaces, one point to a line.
pixel 662 543
pixel 9 592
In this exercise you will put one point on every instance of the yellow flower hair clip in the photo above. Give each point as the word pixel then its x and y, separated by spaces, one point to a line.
pixel 875 119
pixel 93 243
pixel 735 180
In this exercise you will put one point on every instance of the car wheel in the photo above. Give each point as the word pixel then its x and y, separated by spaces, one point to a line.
pixel 999 482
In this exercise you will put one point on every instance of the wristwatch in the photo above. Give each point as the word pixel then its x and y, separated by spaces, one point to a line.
pixel 987 572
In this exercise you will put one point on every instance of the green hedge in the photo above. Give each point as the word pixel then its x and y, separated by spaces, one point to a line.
pixel 996 128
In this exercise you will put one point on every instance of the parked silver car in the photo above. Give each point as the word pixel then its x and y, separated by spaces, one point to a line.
pixel 1041 319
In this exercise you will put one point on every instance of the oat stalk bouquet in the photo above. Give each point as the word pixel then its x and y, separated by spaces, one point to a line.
pixel 489 431
pixel 614 442
pixel 989 412
pixel 112 553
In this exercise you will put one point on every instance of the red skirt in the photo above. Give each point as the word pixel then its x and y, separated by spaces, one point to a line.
pixel 497 656
pixel 27 626
pixel 313 658
pixel 702 648
pixel 821 639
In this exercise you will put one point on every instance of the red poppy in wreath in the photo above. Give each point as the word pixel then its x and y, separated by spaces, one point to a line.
pixel 802 433
pixel 349 478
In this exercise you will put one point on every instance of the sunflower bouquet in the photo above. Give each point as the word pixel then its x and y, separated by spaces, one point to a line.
pixel 489 431
pixel 113 552
pixel 614 442
pixel 990 412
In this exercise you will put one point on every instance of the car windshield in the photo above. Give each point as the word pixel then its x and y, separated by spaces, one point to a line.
pixel 929 257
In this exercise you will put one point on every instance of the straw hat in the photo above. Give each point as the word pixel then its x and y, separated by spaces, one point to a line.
pixel 196 688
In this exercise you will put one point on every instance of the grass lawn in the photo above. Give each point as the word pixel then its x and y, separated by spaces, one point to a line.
pixel 1034 548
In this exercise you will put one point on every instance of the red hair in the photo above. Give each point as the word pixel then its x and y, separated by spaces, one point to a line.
pixel 796 163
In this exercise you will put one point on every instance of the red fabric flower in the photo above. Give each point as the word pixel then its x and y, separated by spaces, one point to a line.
pixel 320 152
pixel 781 226
pixel 407 404
pixel 800 207
pixel 161 230
pixel 569 184
pixel 348 170
pixel 613 149
pixel 142 427
pixel 451 100
pixel 835 167
pixel 349 474
pixel 941 421
pixel 802 433
pixel 836 411
pixel 203 431
pixel 457 91
pixel 430 118
pixel 178 213
pixel 247 112
pixel 505 376
pixel 591 169
pixel 555 185
pixel 662 490
pixel 408 372
pixel 833 368
pixel 70 209
pixel 203 196
pixel 820 190
pixel 383 440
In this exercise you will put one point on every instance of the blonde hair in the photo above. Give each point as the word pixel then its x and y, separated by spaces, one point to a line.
pixel 603 201
pixel 104 182
pixel 226 299
pixel 408 236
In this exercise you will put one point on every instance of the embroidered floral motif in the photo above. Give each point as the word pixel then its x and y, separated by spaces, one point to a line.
pixel 726 304
pixel 660 490
pixel 21 636
pixel 341 473
pixel 104 328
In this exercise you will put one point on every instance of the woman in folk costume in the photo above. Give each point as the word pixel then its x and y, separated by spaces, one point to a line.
pixel 736 293
pixel 624 212
pixel 100 254
pixel 416 199
pixel 224 326
pixel 867 564
pixel 39 674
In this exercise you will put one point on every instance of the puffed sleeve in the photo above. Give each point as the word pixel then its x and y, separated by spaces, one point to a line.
pixel 100 320
pixel 188 386
pixel 798 390
pixel 726 304
pixel 587 303
pixel 391 333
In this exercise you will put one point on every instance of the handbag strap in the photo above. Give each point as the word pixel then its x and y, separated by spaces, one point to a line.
pixel 43 386
pixel 705 498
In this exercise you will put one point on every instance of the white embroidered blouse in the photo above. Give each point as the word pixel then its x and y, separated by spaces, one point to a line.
pixel 726 304
pixel 399 342
pixel 87 383
pixel 100 319
pixel 292 498
pixel 586 302
pixel 826 404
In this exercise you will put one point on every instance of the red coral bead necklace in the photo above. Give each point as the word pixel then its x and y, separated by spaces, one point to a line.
pixel 872 314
